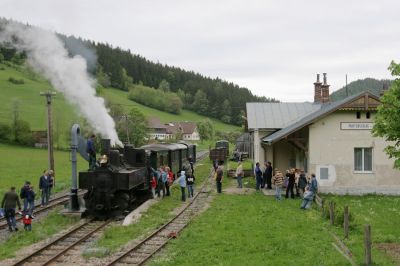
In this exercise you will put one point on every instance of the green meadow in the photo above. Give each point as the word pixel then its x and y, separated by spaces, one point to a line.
pixel 20 164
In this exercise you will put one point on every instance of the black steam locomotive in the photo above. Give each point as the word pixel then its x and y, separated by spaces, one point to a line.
pixel 123 175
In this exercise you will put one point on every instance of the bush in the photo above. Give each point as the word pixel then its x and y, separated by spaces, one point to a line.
pixel 158 99
pixel 5 132
pixel 16 81
pixel 22 133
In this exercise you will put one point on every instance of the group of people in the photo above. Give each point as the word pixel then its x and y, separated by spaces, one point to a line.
pixel 162 178
pixel 27 194
pixel 295 181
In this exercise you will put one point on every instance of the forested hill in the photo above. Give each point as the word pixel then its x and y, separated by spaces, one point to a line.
pixel 368 84
pixel 206 96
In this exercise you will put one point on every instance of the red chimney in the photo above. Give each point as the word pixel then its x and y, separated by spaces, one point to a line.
pixel 317 90
pixel 325 91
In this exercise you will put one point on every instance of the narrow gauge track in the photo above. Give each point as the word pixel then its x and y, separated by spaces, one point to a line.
pixel 60 246
pixel 144 250
pixel 39 209
pixel 201 155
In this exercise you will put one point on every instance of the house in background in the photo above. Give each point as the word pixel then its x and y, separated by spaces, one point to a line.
pixel 157 130
pixel 331 139
pixel 184 130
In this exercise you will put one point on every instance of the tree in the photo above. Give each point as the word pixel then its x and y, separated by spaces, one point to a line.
pixel 200 104
pixel 226 112
pixel 133 126
pixel 206 130
pixel 102 78
pixel 164 86
pixel 387 120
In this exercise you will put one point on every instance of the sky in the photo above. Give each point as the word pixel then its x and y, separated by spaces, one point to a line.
pixel 274 48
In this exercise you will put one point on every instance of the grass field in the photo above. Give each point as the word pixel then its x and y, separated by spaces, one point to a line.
pixel 32 107
pixel 20 164
pixel 381 212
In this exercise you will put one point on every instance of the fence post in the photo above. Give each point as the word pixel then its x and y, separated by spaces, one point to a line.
pixel 331 212
pixel 368 244
pixel 346 221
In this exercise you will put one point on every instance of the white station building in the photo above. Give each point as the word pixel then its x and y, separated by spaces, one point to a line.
pixel 331 139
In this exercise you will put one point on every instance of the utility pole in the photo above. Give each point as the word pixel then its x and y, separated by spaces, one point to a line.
pixel 49 95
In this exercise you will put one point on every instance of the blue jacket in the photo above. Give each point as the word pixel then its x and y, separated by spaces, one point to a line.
pixel 30 195
pixel 314 185
pixel 164 177
pixel 44 182
pixel 258 171
pixel 90 147
pixel 182 180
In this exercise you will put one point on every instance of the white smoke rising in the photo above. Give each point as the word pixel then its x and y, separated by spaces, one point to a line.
pixel 46 53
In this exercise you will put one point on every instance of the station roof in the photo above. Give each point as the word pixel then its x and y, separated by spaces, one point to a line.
pixel 277 115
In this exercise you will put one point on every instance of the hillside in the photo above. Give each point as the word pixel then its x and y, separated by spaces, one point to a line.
pixel 368 84
pixel 32 107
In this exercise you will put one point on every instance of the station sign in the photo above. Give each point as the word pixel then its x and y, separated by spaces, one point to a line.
pixel 356 125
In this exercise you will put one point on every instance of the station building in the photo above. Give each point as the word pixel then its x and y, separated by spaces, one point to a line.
pixel 331 139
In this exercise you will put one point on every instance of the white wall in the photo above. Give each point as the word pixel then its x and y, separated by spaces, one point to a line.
pixel 331 147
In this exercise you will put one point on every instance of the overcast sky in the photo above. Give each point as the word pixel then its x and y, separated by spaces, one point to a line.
pixel 274 48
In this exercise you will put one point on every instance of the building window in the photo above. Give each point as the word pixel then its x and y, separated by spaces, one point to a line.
pixel 323 173
pixel 358 115
pixel 363 159
pixel 368 115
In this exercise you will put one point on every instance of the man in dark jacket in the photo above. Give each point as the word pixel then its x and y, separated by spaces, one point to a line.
pixel 9 203
pixel 268 175
pixel 91 150
pixel 258 175
pixel 44 185
pixel 23 194
pixel 292 178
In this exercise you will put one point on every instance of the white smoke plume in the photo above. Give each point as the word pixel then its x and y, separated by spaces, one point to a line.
pixel 47 54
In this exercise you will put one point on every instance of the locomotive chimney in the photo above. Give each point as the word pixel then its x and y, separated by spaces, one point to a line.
pixel 105 146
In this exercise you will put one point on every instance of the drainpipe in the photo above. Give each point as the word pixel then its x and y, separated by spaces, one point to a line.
pixel 75 133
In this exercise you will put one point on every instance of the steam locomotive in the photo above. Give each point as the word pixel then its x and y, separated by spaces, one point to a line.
pixel 123 175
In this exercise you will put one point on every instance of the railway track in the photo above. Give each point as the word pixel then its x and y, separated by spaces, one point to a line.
pixel 144 250
pixel 52 251
pixel 39 209
pixel 201 155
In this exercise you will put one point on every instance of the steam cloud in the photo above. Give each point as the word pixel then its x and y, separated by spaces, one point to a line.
pixel 46 53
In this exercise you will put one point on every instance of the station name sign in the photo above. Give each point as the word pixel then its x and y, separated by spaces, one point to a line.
pixel 356 125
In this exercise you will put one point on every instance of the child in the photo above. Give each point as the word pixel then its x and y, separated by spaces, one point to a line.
pixel 153 185
pixel 27 220
pixel 277 180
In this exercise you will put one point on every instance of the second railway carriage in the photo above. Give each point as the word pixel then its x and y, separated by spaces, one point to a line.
pixel 172 155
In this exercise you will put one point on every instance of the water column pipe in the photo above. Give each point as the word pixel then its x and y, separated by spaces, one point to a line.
pixel 75 134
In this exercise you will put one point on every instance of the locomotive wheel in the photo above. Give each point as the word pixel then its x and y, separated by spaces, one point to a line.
pixel 121 200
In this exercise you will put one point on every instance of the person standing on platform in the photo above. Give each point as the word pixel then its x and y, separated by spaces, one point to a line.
pixel 91 151
pixel 219 177
pixel 239 174
pixel 291 178
pixel 277 180
pixel 258 175
pixel 268 175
